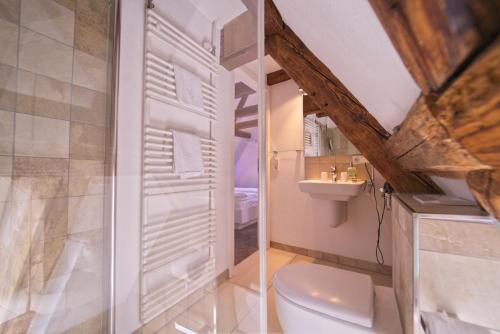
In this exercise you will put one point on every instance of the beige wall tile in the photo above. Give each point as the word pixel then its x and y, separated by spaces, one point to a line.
pixel 48 260
pixel 49 187
pixel 25 92
pixel 5 166
pixel 8 40
pixel 42 55
pixel 49 218
pixel 87 142
pixel 8 79
pixel 15 225
pixel 462 238
pixel 91 27
pixel 86 177
pixel 89 71
pixel 9 10
pixel 88 106
pixel 83 287
pixel 70 4
pixel 27 166
pixel 41 137
pixel 6 132
pixel 49 18
pixel 52 98
pixel 85 213
pixel 85 250
pixel 48 297
pixel 466 286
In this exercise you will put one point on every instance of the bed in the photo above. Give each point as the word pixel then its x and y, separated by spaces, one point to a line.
pixel 246 207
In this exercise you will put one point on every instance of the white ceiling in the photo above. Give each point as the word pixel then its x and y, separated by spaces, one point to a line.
pixel 221 11
pixel 270 65
pixel 348 38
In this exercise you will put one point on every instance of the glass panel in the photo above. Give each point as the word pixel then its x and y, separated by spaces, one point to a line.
pixel 183 87
pixel 55 57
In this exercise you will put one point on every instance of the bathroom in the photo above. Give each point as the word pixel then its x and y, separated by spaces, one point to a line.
pixel 213 166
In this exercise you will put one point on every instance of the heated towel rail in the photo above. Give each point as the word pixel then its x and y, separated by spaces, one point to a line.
pixel 168 239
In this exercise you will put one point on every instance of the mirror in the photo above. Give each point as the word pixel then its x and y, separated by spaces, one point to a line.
pixel 323 138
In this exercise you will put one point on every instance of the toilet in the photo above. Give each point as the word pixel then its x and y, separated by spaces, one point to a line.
pixel 312 298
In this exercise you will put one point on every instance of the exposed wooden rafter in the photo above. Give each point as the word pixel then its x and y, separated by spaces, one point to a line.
pixel 435 39
pixel 246 124
pixel 337 102
pixel 277 77
pixel 246 111
pixel 242 90
pixel 243 134
pixel 454 56
pixel 309 106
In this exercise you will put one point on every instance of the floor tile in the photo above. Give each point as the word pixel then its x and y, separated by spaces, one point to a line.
pixel 302 259
pixel 233 304
pixel 246 274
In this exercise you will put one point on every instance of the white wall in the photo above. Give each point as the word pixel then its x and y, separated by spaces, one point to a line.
pixel 299 220
pixel 130 107
pixel 246 153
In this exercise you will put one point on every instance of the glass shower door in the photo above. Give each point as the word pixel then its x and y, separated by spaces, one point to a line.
pixel 55 108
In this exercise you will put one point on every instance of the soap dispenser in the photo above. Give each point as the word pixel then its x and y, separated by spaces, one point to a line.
pixel 351 173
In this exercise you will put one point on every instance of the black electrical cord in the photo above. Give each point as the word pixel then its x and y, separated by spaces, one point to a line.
pixel 380 217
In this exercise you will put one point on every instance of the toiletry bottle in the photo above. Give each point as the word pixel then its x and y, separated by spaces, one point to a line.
pixel 351 173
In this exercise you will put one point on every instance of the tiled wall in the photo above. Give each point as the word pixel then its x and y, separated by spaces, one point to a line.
pixel 460 270
pixel 315 165
pixel 402 262
pixel 54 58
pixel 458 267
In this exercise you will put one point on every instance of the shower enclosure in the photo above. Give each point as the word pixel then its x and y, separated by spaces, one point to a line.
pixel 99 233
pixel 55 116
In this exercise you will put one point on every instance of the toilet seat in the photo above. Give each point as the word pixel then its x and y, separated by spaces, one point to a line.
pixel 336 293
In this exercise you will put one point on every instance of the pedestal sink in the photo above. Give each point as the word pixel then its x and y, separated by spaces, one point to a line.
pixel 336 193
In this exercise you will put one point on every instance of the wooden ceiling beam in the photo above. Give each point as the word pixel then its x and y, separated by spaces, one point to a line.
pixel 309 107
pixel 243 134
pixel 277 77
pixel 435 38
pixel 333 98
pixel 246 125
pixel 242 90
pixel 469 109
pixel 246 111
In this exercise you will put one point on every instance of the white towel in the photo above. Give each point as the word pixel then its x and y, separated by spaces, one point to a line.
pixel 188 159
pixel 188 87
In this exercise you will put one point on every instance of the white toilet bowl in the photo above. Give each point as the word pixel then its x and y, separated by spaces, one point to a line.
pixel 312 298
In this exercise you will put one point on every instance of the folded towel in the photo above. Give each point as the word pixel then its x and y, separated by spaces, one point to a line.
pixel 188 87
pixel 188 159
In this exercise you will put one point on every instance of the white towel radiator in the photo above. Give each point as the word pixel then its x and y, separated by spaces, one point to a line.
pixel 169 235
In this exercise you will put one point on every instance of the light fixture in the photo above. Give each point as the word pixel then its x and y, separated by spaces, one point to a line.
pixel 301 91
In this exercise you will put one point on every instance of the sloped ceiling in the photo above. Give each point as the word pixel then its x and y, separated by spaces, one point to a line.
pixel 348 38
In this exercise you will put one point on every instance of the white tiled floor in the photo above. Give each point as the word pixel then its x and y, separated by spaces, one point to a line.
pixel 237 300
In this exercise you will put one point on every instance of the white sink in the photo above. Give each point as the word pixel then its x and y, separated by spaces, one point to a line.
pixel 336 193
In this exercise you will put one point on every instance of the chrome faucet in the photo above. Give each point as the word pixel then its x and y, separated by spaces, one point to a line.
pixel 333 172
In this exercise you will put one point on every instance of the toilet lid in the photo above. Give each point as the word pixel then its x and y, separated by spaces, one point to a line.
pixel 335 292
